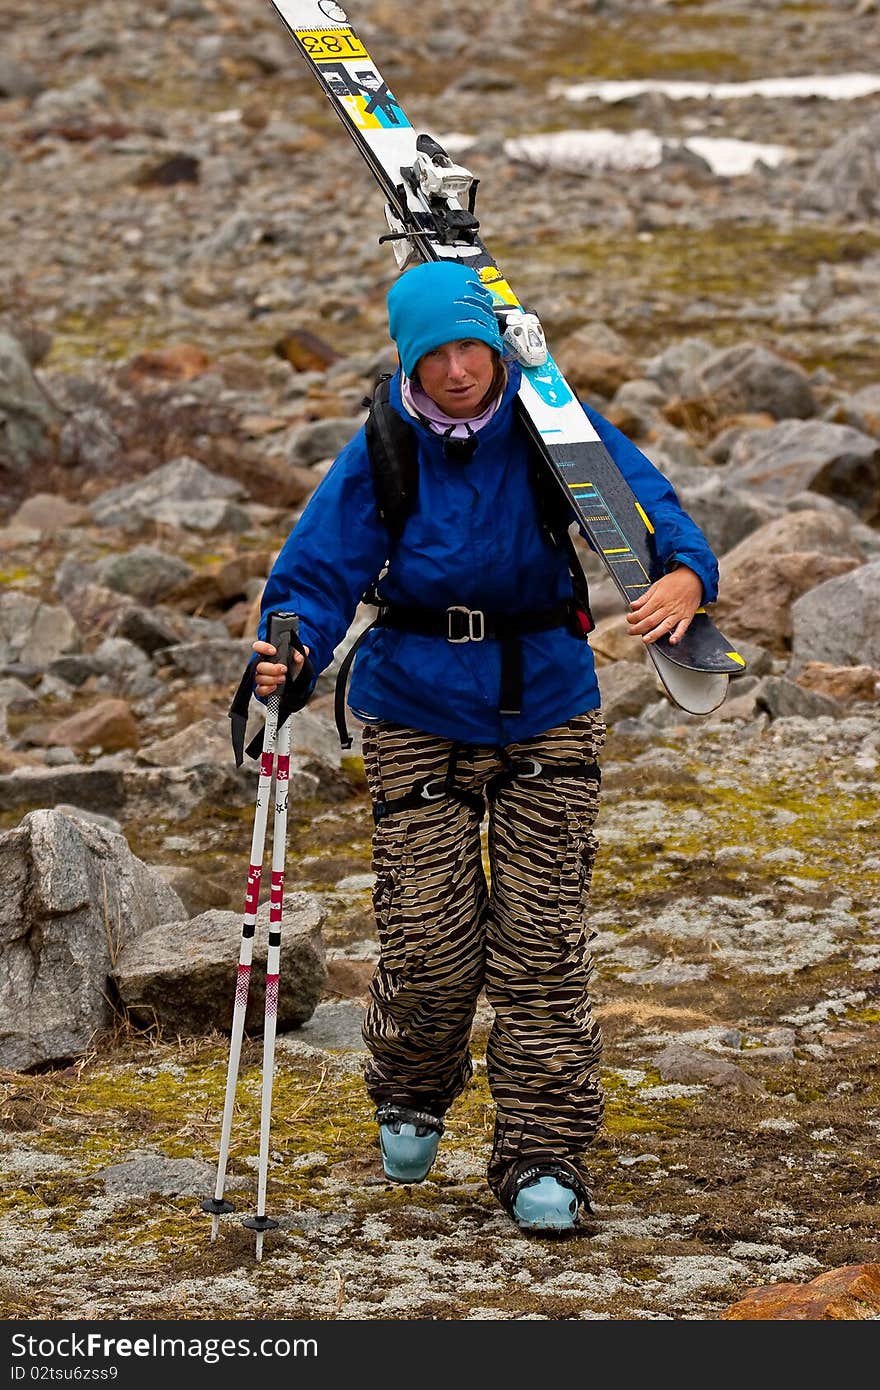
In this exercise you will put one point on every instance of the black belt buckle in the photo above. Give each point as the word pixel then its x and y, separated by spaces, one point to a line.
pixel 475 624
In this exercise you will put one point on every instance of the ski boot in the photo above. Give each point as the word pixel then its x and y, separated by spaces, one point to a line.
pixel 546 1198
pixel 408 1140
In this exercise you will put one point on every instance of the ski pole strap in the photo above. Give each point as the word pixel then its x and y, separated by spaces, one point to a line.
pixel 282 632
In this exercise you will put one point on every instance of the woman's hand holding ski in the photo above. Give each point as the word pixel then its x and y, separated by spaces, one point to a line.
pixel 667 607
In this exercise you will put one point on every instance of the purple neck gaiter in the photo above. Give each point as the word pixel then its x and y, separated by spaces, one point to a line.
pixel 420 404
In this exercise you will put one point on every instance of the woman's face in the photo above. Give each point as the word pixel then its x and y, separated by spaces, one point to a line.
pixel 457 375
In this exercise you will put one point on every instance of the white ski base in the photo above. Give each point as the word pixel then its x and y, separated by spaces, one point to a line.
pixel 696 692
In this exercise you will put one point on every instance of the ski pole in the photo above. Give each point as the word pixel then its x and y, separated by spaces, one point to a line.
pixel 279 628
pixel 260 1222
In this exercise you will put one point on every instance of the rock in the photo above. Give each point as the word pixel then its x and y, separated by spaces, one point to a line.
pixel 17 80
pixel 612 640
pixel 861 410
pixel 181 976
pixel 795 456
pixel 197 891
pixel 636 407
pixel 29 421
pixel 148 630
pixel 334 1026
pixel 768 571
pixel 37 630
pixel 177 494
pixel 144 573
pixel 154 1175
pixel 848 1294
pixel 730 429
pixel 107 724
pixel 323 439
pixel 99 789
pixel 627 687
pixel 94 608
pixel 305 351
pixel 89 440
pixel 680 1063
pixel 839 621
pixel 349 978
pixel 206 741
pixel 212 661
pixel 74 896
pixel 177 168
pixel 749 377
pixel 669 367
pixel 49 513
pixel 846 684
pixel 846 178
pixel 177 362
pixel 782 699
pixel 214 587
pixel 595 360
pixel 726 515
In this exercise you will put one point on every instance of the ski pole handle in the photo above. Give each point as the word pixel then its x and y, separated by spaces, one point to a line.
pixel 279 629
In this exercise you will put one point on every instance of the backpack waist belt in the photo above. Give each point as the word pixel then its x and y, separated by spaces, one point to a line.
pixel 460 624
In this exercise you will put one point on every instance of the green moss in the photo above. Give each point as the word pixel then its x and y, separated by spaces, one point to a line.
pixel 715 270
pixel 866 1016
pixel 747 815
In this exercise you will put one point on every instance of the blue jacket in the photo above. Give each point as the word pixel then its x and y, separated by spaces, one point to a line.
pixel 474 538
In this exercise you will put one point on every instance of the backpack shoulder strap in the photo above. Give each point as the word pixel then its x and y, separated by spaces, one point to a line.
pixel 394 465
pixel 393 452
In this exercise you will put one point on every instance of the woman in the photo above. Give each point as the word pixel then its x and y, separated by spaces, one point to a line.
pixel 477 689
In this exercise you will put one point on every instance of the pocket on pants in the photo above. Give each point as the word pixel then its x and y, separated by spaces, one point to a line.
pixel 580 855
pixel 389 851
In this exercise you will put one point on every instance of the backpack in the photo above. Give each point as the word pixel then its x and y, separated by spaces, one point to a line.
pixel 392 447
pixel 393 452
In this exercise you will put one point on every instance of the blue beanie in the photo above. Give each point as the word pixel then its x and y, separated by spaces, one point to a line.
pixel 439 302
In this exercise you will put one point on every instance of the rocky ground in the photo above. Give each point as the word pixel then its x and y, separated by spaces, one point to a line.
pixel 192 282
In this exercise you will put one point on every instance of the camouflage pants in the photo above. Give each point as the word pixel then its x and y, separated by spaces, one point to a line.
pixel 445 935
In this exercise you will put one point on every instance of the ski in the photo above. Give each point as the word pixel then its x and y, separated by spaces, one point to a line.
pixel 430 215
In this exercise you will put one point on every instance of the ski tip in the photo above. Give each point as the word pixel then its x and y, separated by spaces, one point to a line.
pixel 696 692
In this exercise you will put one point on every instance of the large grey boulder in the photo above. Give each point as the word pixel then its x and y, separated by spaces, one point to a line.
pixel 767 572
pixel 182 975
pixel 322 439
pixel 182 493
pixel 839 622
pixel 845 180
pixel 798 455
pixel 28 418
pixel 144 573
pixel 34 632
pixel 73 896
pixel 725 515
pixel 627 688
pixel 750 378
